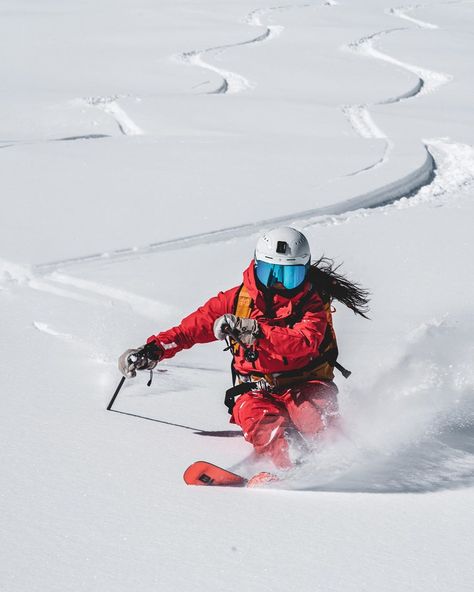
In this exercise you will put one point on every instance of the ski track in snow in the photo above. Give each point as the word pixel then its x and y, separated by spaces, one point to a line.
pixel 146 307
pixel 43 285
pixel 401 12
pixel 45 328
pixel 89 348
pixel 391 192
pixel 428 81
pixel 111 106
pixel 15 143
pixel 452 171
pixel 455 174
pixel 425 182
pixel 362 122
pixel 84 291
pixel 232 82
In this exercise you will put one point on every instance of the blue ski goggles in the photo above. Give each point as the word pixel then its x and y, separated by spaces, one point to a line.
pixel 290 276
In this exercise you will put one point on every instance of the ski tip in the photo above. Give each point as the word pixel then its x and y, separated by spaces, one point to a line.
pixel 204 473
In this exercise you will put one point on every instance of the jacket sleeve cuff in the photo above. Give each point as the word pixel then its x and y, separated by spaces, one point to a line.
pixel 168 347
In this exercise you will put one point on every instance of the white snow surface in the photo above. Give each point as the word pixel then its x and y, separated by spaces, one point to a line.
pixel 144 146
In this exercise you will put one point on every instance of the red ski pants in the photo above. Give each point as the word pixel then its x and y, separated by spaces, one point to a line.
pixel 267 419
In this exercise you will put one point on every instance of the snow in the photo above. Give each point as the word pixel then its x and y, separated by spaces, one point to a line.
pixel 144 146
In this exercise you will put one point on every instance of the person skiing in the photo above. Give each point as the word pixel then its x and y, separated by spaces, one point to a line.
pixel 278 325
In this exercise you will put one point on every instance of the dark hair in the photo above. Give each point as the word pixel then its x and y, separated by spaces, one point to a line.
pixel 331 284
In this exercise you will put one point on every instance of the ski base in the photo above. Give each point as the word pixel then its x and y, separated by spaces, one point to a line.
pixel 205 473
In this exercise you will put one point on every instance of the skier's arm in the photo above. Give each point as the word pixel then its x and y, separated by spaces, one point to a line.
pixel 197 327
pixel 304 338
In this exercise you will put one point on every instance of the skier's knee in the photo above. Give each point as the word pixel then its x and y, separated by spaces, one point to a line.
pixel 267 430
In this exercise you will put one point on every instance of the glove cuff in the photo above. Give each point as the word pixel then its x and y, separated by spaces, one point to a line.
pixel 154 351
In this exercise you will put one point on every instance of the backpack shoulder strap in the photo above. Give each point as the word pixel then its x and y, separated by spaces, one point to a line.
pixel 243 304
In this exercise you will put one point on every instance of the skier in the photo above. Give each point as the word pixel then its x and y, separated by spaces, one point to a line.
pixel 279 328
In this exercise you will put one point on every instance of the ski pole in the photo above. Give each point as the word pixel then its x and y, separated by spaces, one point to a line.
pixel 342 370
pixel 117 390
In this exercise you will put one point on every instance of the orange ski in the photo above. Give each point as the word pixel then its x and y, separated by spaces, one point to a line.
pixel 204 473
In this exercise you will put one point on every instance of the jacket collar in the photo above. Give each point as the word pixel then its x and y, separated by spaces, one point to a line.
pixel 282 306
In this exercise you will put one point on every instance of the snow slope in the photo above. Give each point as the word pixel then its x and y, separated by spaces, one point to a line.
pixel 144 147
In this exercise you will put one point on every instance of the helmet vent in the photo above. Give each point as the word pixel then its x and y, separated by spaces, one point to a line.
pixel 282 247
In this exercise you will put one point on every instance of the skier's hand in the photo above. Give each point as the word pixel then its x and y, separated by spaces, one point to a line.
pixel 145 357
pixel 127 363
pixel 247 330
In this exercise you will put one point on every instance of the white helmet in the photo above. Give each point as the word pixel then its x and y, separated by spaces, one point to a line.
pixel 285 246
pixel 282 258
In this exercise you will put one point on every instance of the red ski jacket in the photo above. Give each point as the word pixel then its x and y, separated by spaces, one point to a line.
pixel 292 329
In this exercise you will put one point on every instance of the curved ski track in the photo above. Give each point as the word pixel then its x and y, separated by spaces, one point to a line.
pixel 108 105
pixel 425 182
pixel 111 106
pixel 401 12
pixel 430 181
pixel 232 82
pixel 428 81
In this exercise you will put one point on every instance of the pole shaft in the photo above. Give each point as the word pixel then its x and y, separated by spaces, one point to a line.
pixel 117 390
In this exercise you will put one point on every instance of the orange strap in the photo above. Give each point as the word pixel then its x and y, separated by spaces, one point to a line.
pixel 244 304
